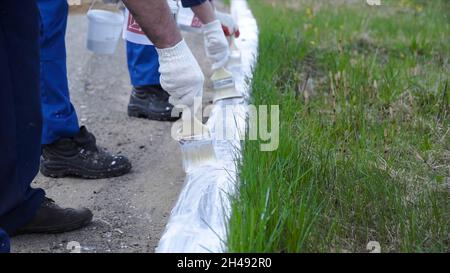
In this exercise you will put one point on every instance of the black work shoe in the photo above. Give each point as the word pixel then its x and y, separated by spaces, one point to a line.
pixel 51 218
pixel 151 102
pixel 79 156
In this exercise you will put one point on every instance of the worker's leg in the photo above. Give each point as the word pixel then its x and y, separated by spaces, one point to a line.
pixel 148 99
pixel 22 208
pixel 68 150
pixel 143 64
pixel 60 118
pixel 4 242
pixel 20 113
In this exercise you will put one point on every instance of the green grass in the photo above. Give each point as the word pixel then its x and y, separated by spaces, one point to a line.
pixel 364 149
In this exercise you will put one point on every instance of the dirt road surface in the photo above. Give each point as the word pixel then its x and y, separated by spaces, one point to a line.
pixel 130 212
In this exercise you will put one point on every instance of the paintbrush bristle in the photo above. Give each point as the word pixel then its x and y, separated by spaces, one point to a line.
pixel 222 78
pixel 197 153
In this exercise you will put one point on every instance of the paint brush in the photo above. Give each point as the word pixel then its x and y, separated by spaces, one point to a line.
pixel 195 141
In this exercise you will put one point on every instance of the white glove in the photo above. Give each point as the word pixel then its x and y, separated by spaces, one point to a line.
pixel 216 44
pixel 229 26
pixel 181 75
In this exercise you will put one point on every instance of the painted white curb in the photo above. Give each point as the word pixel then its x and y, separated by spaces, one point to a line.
pixel 198 222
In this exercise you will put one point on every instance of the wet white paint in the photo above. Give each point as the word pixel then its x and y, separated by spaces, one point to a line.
pixel 199 219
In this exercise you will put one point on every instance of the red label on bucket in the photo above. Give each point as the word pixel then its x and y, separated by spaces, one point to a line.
pixel 133 26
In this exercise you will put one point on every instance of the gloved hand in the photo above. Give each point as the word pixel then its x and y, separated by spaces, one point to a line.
pixel 181 75
pixel 229 26
pixel 216 44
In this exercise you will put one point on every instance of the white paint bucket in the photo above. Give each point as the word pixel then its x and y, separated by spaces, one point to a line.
pixel 104 30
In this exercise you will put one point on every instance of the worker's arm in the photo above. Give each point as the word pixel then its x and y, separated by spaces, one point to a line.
pixel 181 75
pixel 205 12
pixel 155 19
pixel 216 44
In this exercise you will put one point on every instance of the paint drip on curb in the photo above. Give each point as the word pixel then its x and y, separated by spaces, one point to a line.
pixel 198 222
